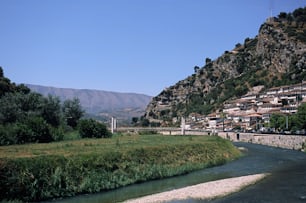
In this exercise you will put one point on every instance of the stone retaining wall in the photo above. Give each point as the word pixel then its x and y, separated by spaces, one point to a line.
pixel 295 142
pixel 186 132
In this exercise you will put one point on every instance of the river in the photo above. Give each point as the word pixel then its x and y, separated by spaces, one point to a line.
pixel 287 182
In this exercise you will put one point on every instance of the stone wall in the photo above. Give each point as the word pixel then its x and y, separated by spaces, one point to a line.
pixel 295 142
pixel 186 132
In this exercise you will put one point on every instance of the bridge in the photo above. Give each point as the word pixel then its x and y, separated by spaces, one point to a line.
pixel 165 130
pixel 296 142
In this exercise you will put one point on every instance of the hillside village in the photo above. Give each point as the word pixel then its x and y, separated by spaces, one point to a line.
pixel 252 111
pixel 207 99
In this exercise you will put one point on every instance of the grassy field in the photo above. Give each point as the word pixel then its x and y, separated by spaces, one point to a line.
pixel 89 146
pixel 35 172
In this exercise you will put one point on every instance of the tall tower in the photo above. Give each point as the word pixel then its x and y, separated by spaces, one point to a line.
pixel 270 18
pixel 183 126
pixel 113 124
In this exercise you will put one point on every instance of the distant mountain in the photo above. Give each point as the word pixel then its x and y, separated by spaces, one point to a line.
pixel 99 102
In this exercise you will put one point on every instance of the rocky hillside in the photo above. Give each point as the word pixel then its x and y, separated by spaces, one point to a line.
pixel 98 102
pixel 276 56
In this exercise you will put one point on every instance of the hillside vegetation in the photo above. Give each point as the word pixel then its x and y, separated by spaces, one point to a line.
pixel 275 57
pixel 27 116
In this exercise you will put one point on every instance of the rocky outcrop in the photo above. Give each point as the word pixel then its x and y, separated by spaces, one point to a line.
pixel 276 56
pixel 278 49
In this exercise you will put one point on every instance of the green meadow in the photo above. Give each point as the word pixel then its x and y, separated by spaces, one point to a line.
pixel 34 172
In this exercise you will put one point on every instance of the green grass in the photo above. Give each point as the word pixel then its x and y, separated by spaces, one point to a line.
pixel 88 146
pixel 72 135
pixel 35 172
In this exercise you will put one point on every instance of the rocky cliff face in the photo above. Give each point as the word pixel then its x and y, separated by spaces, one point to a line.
pixel 276 56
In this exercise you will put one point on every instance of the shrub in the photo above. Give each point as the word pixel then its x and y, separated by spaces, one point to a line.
pixel 32 129
pixel 91 128
pixel 38 130
pixel 57 134
pixel 7 135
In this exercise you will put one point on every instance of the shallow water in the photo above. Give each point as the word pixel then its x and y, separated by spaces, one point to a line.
pixel 258 159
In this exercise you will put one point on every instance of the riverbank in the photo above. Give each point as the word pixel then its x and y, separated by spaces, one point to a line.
pixel 286 182
pixel 209 190
pixel 38 172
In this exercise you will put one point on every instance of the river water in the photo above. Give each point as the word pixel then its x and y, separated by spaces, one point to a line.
pixel 287 182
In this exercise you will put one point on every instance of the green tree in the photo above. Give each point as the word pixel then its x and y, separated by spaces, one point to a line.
pixel 27 116
pixel 7 135
pixel 23 89
pixel 135 120
pixel 10 109
pixel 238 45
pixel 72 111
pixel 93 129
pixel 299 12
pixel 301 116
pixel 145 122
pixel 196 69
pixel 5 86
pixel 31 103
pixel 282 15
pixel 241 90
pixel 207 60
pixel 38 129
pixel 31 129
pixel 278 121
pixel 1 72
pixel 51 110
pixel 295 122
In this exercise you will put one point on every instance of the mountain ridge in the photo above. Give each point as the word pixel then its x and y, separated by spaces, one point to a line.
pixel 98 102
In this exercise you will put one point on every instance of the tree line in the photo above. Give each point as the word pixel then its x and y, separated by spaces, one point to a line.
pixel 27 116
pixel 293 122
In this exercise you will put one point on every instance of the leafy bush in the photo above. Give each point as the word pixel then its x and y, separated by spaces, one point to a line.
pixel 72 111
pixel 33 129
pixel 7 135
pixel 57 133
pixel 39 130
pixel 295 122
pixel 91 128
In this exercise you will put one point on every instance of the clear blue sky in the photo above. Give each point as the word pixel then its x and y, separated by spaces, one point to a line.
pixel 139 46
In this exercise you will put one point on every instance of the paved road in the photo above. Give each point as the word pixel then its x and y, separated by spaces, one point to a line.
pixel 287 182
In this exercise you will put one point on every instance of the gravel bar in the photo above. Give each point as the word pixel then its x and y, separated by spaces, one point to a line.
pixel 208 190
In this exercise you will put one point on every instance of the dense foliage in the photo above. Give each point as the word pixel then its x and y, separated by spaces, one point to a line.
pixel 27 116
pixel 293 123
pixel 295 21
pixel 93 129
pixel 107 164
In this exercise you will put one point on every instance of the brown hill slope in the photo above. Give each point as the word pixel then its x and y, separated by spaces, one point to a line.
pixel 276 56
